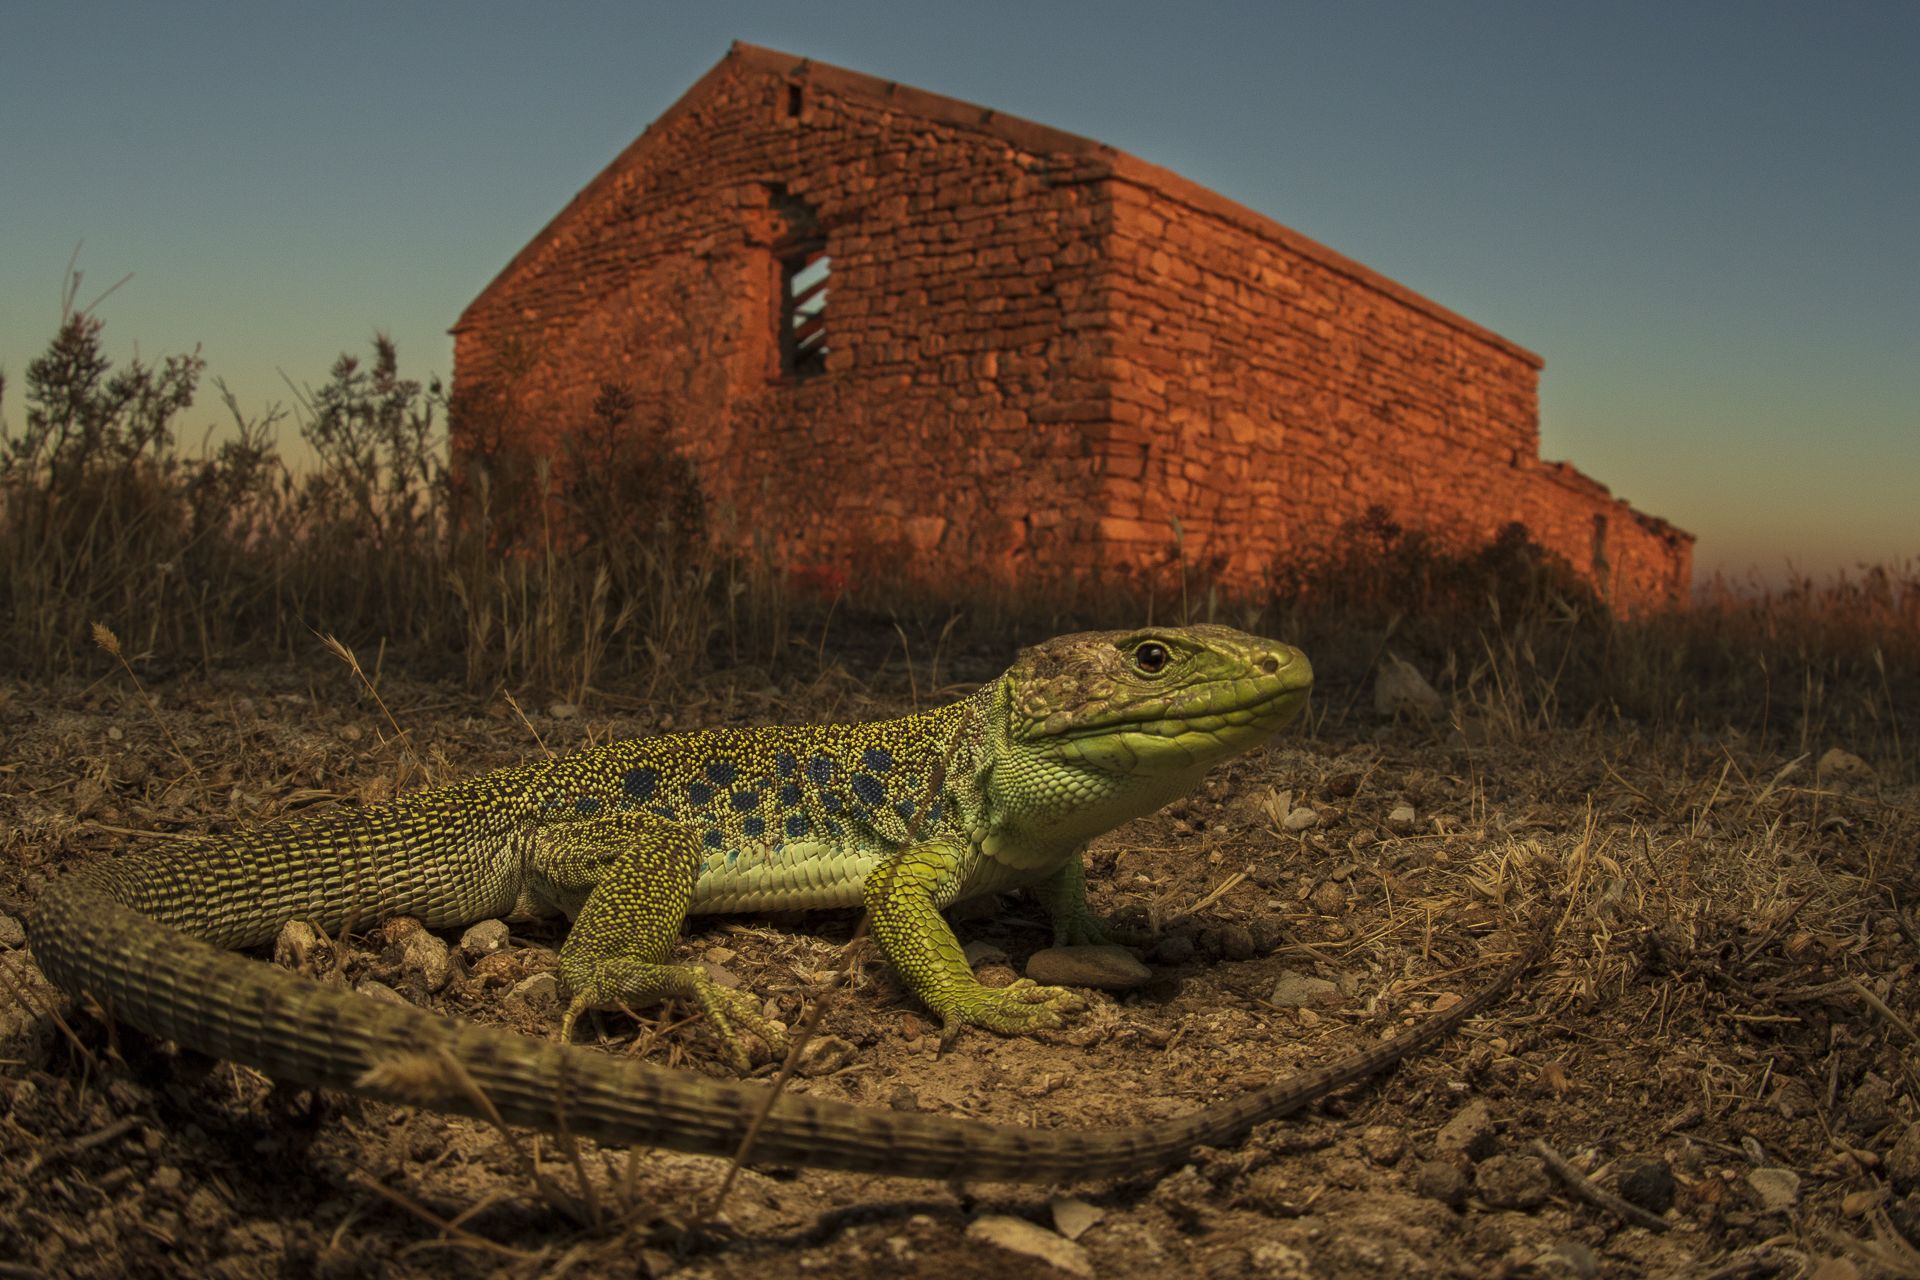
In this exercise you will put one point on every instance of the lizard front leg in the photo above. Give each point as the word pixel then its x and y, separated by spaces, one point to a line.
pixel 904 896
pixel 636 874
pixel 1064 896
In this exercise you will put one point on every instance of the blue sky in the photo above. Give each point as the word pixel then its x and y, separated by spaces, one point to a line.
pixel 1706 217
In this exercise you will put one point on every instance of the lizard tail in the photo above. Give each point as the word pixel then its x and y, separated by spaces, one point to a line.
pixel 92 941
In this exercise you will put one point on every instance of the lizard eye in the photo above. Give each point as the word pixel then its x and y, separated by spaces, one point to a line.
pixel 1151 657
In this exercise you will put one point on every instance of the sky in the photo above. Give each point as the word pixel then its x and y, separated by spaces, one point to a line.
pixel 1705 217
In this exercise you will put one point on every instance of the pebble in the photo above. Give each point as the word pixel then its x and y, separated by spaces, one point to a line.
pixel 1300 819
pixel 484 939
pixel 1400 689
pixel 563 710
pixel 1842 768
pixel 424 959
pixel 1402 819
pixel 1469 1133
pixel 1870 1105
pixel 540 992
pixel 301 946
pixel 1384 1143
pixel 1568 1258
pixel 1229 941
pixel 1329 898
pixel 825 1055
pixel 1073 1217
pixel 374 989
pixel 1443 1181
pixel 12 932
pixel 1017 1235
pixel 1648 1184
pixel 979 952
pixel 1903 1161
pixel 1778 1189
pixel 1106 968
pixel 1513 1182
pixel 1295 990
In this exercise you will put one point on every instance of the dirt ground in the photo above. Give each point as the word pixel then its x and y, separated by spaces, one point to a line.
pixel 1722 1038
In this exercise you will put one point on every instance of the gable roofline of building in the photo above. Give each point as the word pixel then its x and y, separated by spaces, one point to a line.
pixel 1027 135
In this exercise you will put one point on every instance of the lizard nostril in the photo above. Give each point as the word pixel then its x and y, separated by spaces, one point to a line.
pixel 1270 665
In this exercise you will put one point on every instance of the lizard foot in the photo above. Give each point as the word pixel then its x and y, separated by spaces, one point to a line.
pixel 627 981
pixel 1012 1010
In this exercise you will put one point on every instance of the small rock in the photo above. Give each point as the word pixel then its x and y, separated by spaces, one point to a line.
pixel 1174 949
pixel 720 955
pixel 1858 1204
pixel 1072 1216
pixel 1568 1258
pixel 539 993
pixel 1300 819
pixel 1017 1235
pixel 1107 968
pixel 424 960
pixel 1384 1143
pixel 377 990
pixel 1468 1134
pixel 979 952
pixel 1648 1184
pixel 903 1098
pixel 1402 819
pixel 1839 768
pixel 1329 898
pixel 1778 1189
pixel 205 1210
pixel 825 1055
pixel 563 710
pixel 1793 1098
pixel 12 932
pixel 1903 1161
pixel 1400 689
pixel 1294 990
pixel 1441 1180
pixel 1228 941
pixel 301 947
pixel 1513 1182
pixel 484 939
pixel 1870 1105
pixel 722 976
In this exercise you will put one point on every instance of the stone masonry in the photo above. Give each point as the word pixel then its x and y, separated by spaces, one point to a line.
pixel 1039 354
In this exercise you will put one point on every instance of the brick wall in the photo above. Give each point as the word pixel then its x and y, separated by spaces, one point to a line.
pixel 1040 351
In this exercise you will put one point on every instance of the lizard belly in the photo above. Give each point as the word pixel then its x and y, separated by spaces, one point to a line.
pixel 796 876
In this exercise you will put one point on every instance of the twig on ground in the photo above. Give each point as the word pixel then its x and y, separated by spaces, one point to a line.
pixel 1585 1188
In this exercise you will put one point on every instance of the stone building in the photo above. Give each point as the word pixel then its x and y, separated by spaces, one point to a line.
pixel 900 336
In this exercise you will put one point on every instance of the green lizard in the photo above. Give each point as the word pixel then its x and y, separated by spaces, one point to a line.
pixel 906 816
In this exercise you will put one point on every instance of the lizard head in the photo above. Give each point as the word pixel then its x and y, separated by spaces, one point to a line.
pixel 1160 700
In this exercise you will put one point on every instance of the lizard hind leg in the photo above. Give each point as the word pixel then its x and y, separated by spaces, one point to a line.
pixel 632 876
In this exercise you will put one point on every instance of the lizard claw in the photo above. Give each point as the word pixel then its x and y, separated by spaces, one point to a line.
pixel 626 981
pixel 1015 1009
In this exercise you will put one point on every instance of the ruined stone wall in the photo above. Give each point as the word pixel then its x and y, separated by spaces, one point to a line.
pixel 945 438
pixel 1041 353
pixel 1269 390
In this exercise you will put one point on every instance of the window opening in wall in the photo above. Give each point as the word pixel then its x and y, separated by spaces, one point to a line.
pixel 793 102
pixel 803 311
